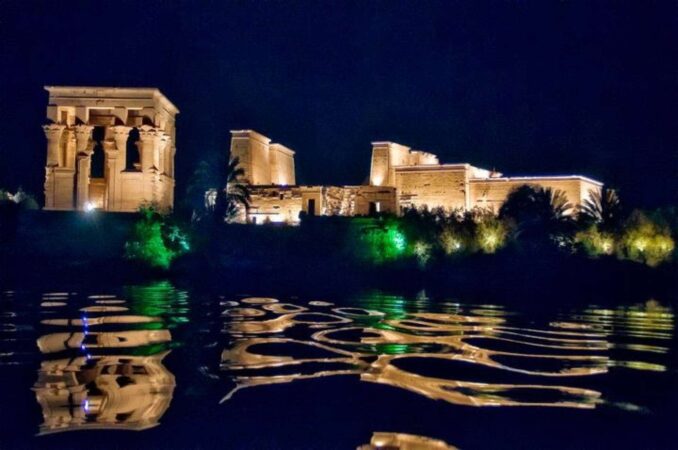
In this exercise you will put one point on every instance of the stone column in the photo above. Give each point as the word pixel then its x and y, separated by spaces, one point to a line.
pixel 147 135
pixel 53 133
pixel 112 176
pixel 84 164
pixel 147 147
pixel 70 150
pixel 83 135
pixel 173 154
pixel 161 141
pixel 167 156
pixel 49 187
pixel 66 171
pixel 120 136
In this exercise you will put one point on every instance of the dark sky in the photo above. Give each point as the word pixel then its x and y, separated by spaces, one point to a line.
pixel 526 87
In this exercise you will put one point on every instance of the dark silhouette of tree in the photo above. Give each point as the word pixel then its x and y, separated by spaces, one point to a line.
pixel 604 209
pixel 203 179
pixel 217 189
pixel 234 196
pixel 538 212
pixel 11 206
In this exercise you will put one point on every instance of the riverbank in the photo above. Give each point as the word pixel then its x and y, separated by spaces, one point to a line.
pixel 71 247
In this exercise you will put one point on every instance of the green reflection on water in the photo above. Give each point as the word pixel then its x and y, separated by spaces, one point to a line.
pixel 107 371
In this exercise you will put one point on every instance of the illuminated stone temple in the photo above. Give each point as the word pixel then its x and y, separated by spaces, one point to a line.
pixel 269 170
pixel 109 148
pixel 400 177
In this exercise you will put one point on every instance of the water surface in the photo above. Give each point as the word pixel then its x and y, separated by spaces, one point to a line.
pixel 154 365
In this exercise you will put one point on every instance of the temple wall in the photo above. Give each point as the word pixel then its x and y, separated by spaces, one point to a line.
pixel 433 187
pixel 132 191
pixel 491 193
pixel 384 196
pixel 60 187
pixel 282 165
pixel 260 165
pixel 386 156
pixel 272 204
pixel 253 151
pixel 379 172
pixel 264 163
pixel 338 201
pixel 278 204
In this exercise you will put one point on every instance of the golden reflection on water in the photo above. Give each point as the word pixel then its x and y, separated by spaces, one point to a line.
pixel 390 340
pixel 402 441
pixel 108 378
pixel 103 358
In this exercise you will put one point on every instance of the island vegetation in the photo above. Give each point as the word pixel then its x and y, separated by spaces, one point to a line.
pixel 534 224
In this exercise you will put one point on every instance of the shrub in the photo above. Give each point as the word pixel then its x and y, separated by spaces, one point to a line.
pixel 452 241
pixel 377 241
pixel 155 241
pixel 491 233
pixel 595 242
pixel 422 251
pixel 646 240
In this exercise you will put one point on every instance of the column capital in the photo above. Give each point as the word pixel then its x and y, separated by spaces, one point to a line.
pixel 83 134
pixel 147 132
pixel 162 139
pixel 53 131
pixel 120 131
pixel 120 136
pixel 70 134
pixel 83 129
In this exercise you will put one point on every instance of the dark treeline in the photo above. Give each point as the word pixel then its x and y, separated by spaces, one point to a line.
pixel 536 237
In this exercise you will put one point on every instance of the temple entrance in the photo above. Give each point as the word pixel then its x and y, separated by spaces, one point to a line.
pixel 311 207
pixel 98 157
pixel 132 162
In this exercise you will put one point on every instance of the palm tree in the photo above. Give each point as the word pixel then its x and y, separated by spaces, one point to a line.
pixel 234 196
pixel 225 203
pixel 604 208
pixel 538 211
pixel 202 181
pixel 554 205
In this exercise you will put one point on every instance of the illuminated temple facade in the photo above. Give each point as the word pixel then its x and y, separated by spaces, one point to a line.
pixel 109 148
pixel 399 178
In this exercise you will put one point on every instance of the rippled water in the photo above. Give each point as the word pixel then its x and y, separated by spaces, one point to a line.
pixel 193 370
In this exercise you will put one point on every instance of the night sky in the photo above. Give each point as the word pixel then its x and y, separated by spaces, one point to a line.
pixel 525 87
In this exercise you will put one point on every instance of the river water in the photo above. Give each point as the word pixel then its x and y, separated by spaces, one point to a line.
pixel 157 366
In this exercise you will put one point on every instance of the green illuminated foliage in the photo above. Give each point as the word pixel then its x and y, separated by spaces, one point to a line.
pixel 396 241
pixel 378 242
pixel 154 240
